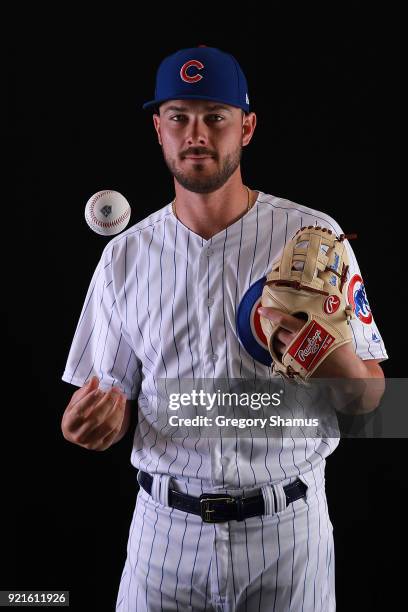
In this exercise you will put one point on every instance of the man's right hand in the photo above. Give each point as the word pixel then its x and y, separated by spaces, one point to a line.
pixel 93 418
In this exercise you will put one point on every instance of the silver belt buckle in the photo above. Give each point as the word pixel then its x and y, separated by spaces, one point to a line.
pixel 207 511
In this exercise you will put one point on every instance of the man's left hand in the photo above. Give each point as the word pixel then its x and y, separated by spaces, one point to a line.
pixel 343 362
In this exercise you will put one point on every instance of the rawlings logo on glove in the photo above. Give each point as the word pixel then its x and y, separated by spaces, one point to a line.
pixel 308 281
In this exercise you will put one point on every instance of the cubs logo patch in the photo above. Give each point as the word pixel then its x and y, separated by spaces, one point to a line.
pixel 188 76
pixel 357 297
pixel 248 324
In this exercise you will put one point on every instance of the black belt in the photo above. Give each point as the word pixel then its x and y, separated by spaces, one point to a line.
pixel 218 508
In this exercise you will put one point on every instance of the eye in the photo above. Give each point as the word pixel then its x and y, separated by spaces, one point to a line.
pixel 215 118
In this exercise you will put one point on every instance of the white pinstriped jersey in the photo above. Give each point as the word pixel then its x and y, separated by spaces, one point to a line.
pixel 162 304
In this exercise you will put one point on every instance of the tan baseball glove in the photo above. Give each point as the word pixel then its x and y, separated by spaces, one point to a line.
pixel 309 281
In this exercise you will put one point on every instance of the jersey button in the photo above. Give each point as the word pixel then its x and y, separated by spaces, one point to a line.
pixel 210 301
pixel 210 252
pixel 214 357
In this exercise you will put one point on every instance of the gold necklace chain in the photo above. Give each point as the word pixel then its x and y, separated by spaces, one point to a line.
pixel 250 204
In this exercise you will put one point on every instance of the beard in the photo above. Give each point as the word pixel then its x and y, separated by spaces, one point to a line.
pixel 198 180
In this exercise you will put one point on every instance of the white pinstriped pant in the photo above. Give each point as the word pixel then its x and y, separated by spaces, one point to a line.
pixel 279 562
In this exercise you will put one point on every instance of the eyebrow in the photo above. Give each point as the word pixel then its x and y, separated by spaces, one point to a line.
pixel 182 109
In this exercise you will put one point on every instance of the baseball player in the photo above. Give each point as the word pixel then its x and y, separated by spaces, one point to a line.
pixel 228 524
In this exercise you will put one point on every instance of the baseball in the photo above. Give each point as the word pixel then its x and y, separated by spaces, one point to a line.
pixel 107 212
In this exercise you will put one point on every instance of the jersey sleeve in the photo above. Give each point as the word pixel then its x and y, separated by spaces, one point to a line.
pixel 367 339
pixel 101 345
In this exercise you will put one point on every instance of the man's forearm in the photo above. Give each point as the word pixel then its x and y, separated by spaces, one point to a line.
pixel 345 364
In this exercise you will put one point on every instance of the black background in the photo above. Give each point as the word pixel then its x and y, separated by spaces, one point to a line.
pixel 76 90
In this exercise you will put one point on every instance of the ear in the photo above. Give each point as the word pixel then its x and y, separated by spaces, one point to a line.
pixel 156 122
pixel 248 128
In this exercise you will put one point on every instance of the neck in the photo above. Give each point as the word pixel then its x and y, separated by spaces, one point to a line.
pixel 209 213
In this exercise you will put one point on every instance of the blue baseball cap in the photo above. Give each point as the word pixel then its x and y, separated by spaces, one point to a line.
pixel 201 73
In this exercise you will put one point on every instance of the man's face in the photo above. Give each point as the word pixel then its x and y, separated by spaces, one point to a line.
pixel 202 141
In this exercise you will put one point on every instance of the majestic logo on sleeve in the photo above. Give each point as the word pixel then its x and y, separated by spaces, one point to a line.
pixel 190 76
pixel 358 299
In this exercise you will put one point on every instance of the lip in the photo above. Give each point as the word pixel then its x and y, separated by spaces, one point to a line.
pixel 198 157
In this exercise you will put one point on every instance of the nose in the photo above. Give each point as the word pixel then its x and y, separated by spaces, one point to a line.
pixel 197 133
